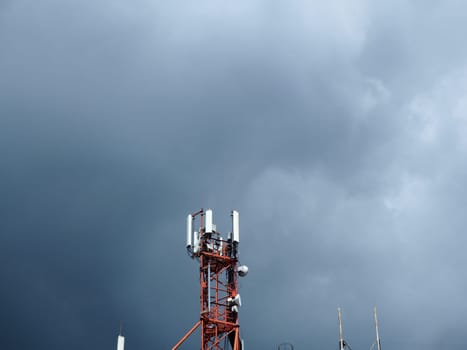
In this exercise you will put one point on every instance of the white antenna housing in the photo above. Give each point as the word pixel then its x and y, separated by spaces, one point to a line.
pixel 242 270
pixel 220 247
pixel 235 300
pixel 235 226
pixel 189 230
pixel 208 226
pixel 121 342
pixel 196 243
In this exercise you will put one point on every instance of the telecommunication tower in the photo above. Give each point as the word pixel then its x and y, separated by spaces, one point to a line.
pixel 219 270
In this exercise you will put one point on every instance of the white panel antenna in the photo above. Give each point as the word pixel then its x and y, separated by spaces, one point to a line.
pixel 235 300
pixel 208 226
pixel 121 342
pixel 189 230
pixel 235 226
pixel 196 243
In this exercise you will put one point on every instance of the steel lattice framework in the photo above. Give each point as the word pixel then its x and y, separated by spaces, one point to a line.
pixel 219 269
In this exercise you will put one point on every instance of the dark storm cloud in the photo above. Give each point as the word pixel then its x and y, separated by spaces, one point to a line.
pixel 337 130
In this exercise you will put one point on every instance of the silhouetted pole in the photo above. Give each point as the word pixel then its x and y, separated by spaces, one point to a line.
pixel 341 336
pixel 378 341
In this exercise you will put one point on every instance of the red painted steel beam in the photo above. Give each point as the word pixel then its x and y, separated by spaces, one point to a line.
pixel 185 337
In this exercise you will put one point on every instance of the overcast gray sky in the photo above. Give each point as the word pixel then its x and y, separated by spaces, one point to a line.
pixel 337 129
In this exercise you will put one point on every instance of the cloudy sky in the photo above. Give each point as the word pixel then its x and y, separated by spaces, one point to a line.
pixel 337 129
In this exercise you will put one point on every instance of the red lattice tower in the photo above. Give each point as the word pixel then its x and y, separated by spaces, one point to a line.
pixel 219 271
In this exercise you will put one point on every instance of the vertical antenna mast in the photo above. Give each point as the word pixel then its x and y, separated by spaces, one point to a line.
pixel 219 270
pixel 341 336
pixel 378 341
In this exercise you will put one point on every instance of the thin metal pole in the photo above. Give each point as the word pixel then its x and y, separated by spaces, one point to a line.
pixel 209 286
pixel 341 336
pixel 378 341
